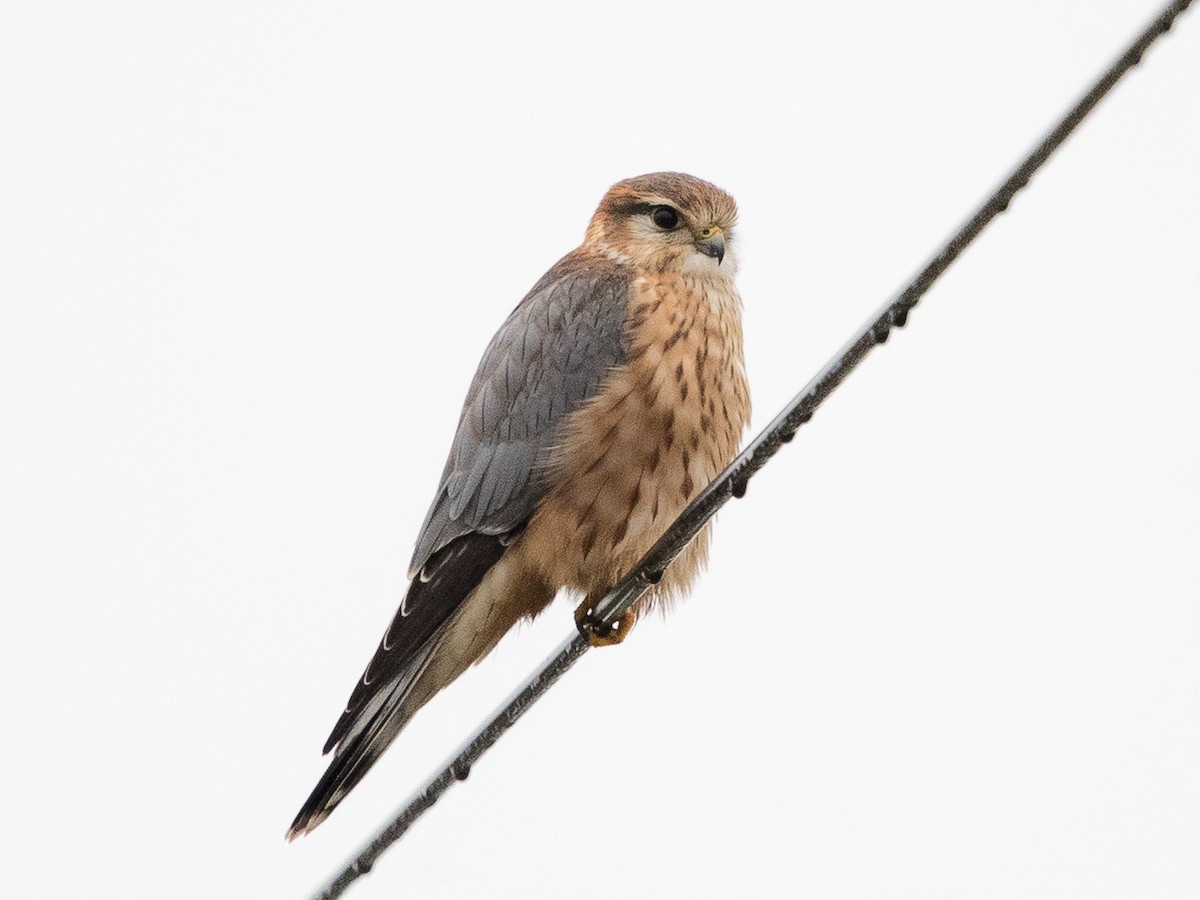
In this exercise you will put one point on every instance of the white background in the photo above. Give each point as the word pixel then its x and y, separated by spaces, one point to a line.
pixel 249 257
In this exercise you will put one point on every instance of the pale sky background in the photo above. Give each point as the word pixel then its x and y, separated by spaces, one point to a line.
pixel 249 257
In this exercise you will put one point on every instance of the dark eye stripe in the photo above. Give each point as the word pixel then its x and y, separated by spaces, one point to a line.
pixel 633 208
pixel 637 208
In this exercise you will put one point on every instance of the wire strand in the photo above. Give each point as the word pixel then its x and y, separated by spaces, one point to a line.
pixel 733 481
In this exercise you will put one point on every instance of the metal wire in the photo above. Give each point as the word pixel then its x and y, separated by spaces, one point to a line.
pixel 733 481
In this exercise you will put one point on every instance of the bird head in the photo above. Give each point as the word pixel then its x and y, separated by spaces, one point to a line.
pixel 667 221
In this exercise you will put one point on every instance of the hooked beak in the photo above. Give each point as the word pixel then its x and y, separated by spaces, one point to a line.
pixel 712 243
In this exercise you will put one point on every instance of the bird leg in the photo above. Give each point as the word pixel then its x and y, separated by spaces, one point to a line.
pixel 603 634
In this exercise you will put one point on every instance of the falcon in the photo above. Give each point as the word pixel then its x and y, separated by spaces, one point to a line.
pixel 612 394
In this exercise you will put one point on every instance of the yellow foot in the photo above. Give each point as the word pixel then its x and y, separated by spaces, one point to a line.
pixel 600 634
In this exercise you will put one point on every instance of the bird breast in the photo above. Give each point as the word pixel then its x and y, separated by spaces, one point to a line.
pixel 658 430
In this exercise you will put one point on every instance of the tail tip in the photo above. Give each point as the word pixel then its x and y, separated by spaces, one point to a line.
pixel 306 820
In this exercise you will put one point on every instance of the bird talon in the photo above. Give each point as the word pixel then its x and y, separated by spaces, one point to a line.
pixel 599 633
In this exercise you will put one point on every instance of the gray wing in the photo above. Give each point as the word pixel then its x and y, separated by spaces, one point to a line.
pixel 546 360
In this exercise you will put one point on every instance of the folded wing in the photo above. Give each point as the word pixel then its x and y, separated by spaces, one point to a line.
pixel 549 357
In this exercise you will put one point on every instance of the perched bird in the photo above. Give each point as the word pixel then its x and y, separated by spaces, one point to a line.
pixel 610 397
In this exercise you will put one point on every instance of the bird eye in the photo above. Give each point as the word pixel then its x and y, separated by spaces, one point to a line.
pixel 664 217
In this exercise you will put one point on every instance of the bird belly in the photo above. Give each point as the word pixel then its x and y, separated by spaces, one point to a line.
pixel 657 432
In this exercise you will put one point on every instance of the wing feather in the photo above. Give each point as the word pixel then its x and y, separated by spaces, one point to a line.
pixel 549 357
pixel 546 360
